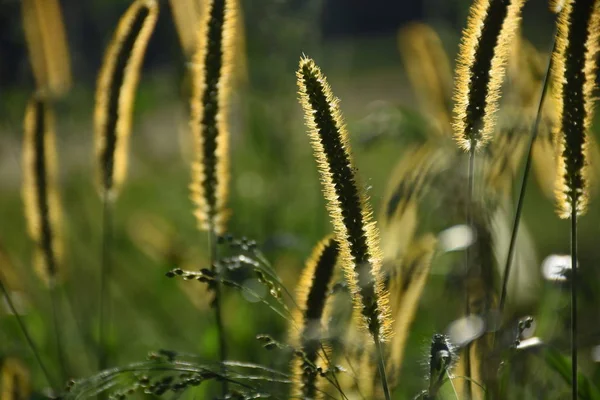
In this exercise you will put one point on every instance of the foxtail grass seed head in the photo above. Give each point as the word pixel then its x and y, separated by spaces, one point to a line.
pixel 441 358
pixel 40 192
pixel 47 45
pixel 14 379
pixel 115 93
pixel 575 66
pixel 212 74
pixel 347 203
pixel 307 334
pixel 480 68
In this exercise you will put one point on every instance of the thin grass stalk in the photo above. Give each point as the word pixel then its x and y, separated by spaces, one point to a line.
pixel 105 272
pixel 28 339
pixel 216 303
pixel 523 189
pixel 56 318
pixel 381 369
pixel 574 303
pixel 468 255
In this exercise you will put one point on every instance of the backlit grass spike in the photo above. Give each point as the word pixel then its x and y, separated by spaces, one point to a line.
pixel 212 74
pixel 115 92
pixel 480 69
pixel 575 66
pixel 311 295
pixel 40 193
pixel 347 203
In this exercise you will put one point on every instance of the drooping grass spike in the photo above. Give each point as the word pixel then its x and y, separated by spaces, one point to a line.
pixel 115 93
pixel 47 45
pixel 40 194
pixel 429 72
pixel 186 15
pixel 307 335
pixel 484 49
pixel 348 206
pixel 575 66
pixel 212 73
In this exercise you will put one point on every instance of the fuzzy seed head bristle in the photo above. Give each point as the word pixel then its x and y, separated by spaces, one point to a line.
pixel 347 203
pixel 212 74
pixel 556 5
pixel 484 49
pixel 115 93
pixel 40 191
pixel 575 67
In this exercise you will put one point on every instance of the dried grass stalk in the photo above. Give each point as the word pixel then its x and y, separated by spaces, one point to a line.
pixel 484 49
pixel 48 47
pixel 212 74
pixel 347 203
pixel 115 92
pixel 575 66
pixel 40 193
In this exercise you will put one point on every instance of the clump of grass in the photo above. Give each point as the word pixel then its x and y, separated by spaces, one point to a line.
pixel 348 207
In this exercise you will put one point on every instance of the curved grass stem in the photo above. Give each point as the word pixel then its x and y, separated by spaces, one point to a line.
pixel 522 190
pixel 216 287
pixel 56 320
pixel 381 367
pixel 26 334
